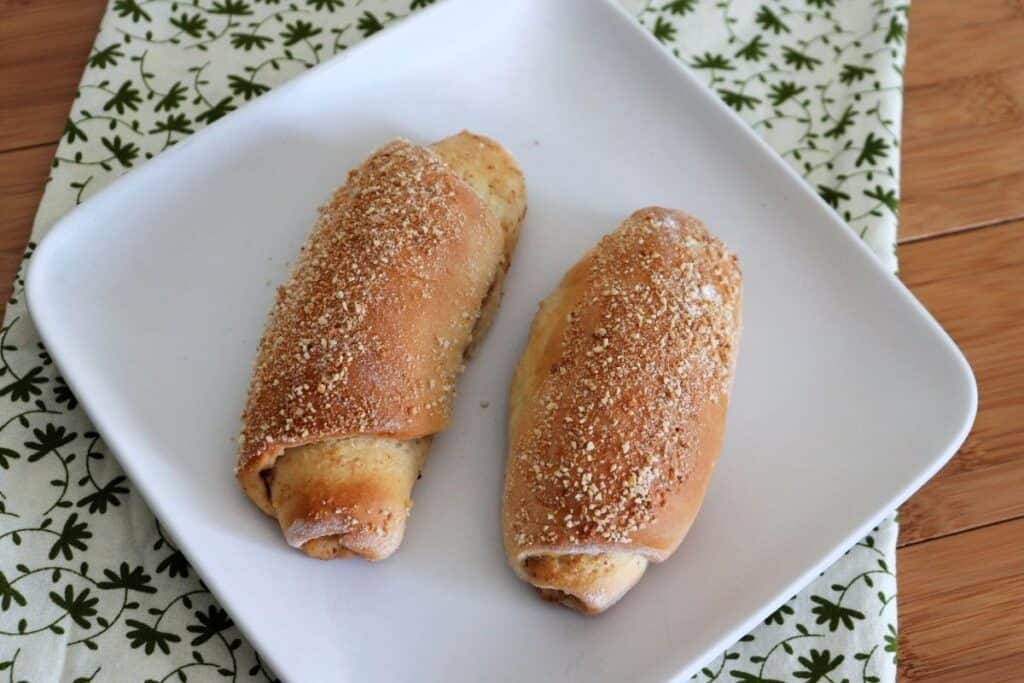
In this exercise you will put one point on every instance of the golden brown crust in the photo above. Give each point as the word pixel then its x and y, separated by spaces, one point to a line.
pixel 618 404
pixel 367 338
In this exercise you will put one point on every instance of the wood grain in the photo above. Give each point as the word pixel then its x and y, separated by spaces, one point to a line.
pixel 963 118
pixel 961 606
pixel 44 45
pixel 973 283
pixel 988 33
pixel 23 176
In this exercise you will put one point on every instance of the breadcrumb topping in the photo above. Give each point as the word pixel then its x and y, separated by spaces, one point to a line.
pixel 646 346
pixel 375 305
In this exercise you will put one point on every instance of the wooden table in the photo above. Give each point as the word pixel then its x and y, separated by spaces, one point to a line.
pixel 961 557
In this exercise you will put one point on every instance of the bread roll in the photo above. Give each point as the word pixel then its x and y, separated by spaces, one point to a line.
pixel 356 370
pixel 618 409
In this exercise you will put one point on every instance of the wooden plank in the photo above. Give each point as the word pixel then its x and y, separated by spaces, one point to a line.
pixel 963 132
pixel 45 47
pixel 973 283
pixel 22 179
pixel 961 38
pixel 961 607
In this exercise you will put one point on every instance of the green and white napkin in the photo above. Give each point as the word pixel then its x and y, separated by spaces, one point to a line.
pixel 90 587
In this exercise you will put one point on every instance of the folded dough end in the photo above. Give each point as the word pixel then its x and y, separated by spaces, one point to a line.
pixel 494 175
pixel 345 497
pixel 491 170
pixel 587 583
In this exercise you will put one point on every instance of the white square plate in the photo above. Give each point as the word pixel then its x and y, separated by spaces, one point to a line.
pixel 152 297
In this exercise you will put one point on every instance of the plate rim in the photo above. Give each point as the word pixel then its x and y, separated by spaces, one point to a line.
pixel 38 269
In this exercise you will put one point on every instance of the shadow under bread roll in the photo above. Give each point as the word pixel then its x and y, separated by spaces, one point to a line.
pixel 399 278
pixel 617 409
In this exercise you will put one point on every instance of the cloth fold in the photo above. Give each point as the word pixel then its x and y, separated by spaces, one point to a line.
pixel 91 589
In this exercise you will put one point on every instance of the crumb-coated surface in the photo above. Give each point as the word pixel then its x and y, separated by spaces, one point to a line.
pixel 358 363
pixel 618 404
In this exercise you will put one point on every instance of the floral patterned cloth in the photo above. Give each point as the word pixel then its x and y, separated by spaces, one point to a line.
pixel 90 587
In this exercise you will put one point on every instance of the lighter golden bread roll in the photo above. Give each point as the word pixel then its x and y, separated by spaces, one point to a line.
pixel 357 367
pixel 617 409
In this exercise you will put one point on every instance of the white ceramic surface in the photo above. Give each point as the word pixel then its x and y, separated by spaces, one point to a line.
pixel 152 296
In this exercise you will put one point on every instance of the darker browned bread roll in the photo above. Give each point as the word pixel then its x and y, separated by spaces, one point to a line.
pixel 357 367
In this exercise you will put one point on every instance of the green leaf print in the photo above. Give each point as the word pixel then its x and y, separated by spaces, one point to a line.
pixel 711 61
pixel 128 579
pixel 329 5
pixel 799 60
pixel 832 196
pixel 770 21
pixel 6 455
pixel 72 537
pixel 892 642
pixel 833 613
pixel 843 123
pixel 217 111
pixel 818 666
pixel 126 98
pixel 123 151
pixel 174 564
pixel 107 495
pixel 679 7
pixel 779 615
pixel 48 440
pixel 369 24
pixel 25 387
pixel 210 623
pixel 852 73
pixel 149 638
pixel 190 24
pixel 79 606
pixel 897 31
pixel 738 100
pixel 874 148
pixel 753 51
pixel 72 132
pixel 108 56
pixel 132 10
pixel 234 8
pixel 172 99
pixel 783 91
pixel 887 197
pixel 9 594
pixel 175 123
pixel 299 31
pixel 664 30
pixel 243 87
pixel 249 41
